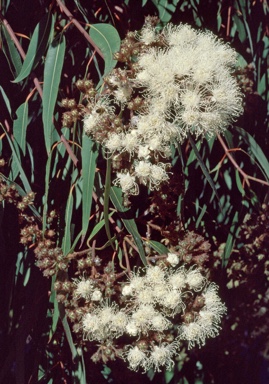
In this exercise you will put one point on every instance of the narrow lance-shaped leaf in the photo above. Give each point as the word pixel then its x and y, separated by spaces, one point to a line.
pixel 158 247
pixel 6 100
pixel 106 200
pixel 79 370
pixel 203 166
pixel 230 241
pixel 130 225
pixel 23 176
pixel 20 126
pixel 98 227
pixel 89 157
pixel 56 314
pixel 37 46
pixel 68 216
pixel 256 150
pixel 13 53
pixel 52 76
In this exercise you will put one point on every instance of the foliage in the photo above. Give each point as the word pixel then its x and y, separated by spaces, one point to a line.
pixel 58 200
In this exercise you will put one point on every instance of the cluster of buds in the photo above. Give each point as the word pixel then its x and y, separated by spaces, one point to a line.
pixel 50 259
pixel 30 234
pixel 131 46
pixel 74 110
pixel 10 194
pixel 26 200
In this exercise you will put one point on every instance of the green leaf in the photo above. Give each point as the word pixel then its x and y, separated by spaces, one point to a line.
pixel 169 376
pixel 52 76
pixel 56 313
pixel 37 46
pixel 78 371
pixel 89 157
pixel 239 183
pixel 20 126
pixel 6 100
pixel 240 27
pixel 67 330
pixel 158 247
pixel 75 243
pixel 98 227
pixel 106 200
pixel 16 159
pixel 256 150
pixel 130 225
pixel 230 241
pixel 68 216
pixel 166 9
pixel 108 40
pixel 200 217
pixel 13 53
pixel 203 166
pixel 46 194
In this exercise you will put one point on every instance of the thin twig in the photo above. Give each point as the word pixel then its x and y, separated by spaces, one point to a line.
pixel 126 257
pixel 79 27
pixel 229 21
pixel 246 177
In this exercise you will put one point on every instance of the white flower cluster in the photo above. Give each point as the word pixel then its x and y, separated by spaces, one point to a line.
pixel 188 84
pixel 104 322
pixel 183 79
pixel 206 323
pixel 85 289
pixel 157 298
pixel 150 305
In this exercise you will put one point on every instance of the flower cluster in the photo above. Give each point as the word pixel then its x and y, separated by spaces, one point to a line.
pixel 174 83
pixel 159 307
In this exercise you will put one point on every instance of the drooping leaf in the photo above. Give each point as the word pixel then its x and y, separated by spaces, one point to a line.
pixel 107 39
pixel 6 100
pixel 52 76
pixel 256 150
pixel 106 200
pixel 20 126
pixel 158 247
pixel 56 313
pixel 89 157
pixel 13 53
pixel 201 215
pixel 68 217
pixel 98 227
pixel 37 46
pixel 165 8
pixel 230 240
pixel 16 159
pixel 203 166
pixel 79 373
pixel 130 225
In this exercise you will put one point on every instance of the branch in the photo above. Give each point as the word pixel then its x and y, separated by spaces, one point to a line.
pixel 79 27
pixel 246 177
